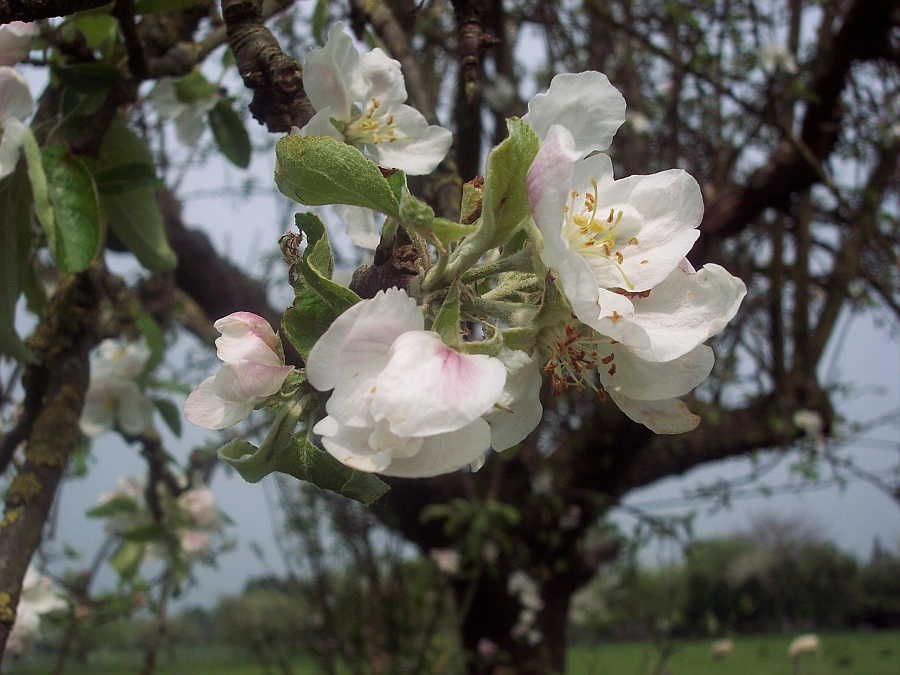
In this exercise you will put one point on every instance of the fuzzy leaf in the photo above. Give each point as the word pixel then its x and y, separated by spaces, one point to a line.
pixel 230 134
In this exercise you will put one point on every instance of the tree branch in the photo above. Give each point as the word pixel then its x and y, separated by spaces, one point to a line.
pixel 34 10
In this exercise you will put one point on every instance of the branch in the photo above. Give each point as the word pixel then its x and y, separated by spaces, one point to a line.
pixel 276 79
pixel 865 34
pixel 34 10
pixel 62 341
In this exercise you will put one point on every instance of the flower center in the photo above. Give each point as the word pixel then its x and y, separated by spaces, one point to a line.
pixel 373 126
pixel 591 232
pixel 572 358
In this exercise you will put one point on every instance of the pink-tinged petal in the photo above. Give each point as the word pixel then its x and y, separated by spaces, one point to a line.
pixel 428 388
pixel 245 381
pixel 585 103
pixel 205 408
pixel 422 149
pixel 687 309
pixel 380 77
pixel 444 453
pixel 15 97
pixel 328 72
pixel 632 376
pixel 249 337
pixel 669 416
pixel 357 343
pixel 660 216
pixel 522 395
pixel 11 145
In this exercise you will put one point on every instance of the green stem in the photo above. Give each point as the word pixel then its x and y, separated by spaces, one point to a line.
pixel 522 261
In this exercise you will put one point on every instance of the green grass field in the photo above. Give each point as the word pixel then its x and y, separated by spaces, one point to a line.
pixel 843 653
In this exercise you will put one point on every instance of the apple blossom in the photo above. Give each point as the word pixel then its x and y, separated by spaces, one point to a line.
pixel 188 115
pixel 200 506
pixel 253 371
pixel 39 596
pixel 359 99
pixel 404 403
pixel 16 104
pixel 15 41
pixel 113 398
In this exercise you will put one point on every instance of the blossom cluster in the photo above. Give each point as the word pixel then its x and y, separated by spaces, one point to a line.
pixel 114 399
pixel 16 102
pixel 39 596
pixel 620 310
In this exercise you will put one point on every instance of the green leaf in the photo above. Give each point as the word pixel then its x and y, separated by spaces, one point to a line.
pixel 194 87
pixel 318 170
pixel 134 215
pixel 66 204
pixel 153 334
pixel 230 134
pixel 146 533
pixel 152 6
pixel 319 21
pixel 505 204
pixel 446 323
pixel 303 460
pixel 127 559
pixel 87 78
pixel 170 413
pixel 317 300
pixel 15 256
pixel 448 231
pixel 127 177
pixel 98 29
pixel 473 193
pixel 116 505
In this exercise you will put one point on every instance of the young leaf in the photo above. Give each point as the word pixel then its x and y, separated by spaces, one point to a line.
pixel 127 559
pixel 153 334
pixel 127 177
pixel 505 204
pixel 170 413
pixel 446 323
pixel 318 300
pixel 66 204
pixel 15 255
pixel 133 215
pixel 303 460
pixel 318 170
pixel 230 134
pixel 87 78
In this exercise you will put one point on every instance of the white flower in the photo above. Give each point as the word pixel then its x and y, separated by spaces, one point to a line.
pixel 195 545
pixel 359 100
pixel 404 403
pixel 188 115
pixel 114 399
pixel 447 559
pixel 131 512
pixel 15 41
pixel 16 105
pixel 39 596
pixel 253 371
pixel 805 644
pixel 775 56
pixel 200 506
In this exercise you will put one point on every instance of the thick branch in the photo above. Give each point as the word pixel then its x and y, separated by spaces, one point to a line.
pixel 865 34
pixel 33 10
pixel 276 79
pixel 62 342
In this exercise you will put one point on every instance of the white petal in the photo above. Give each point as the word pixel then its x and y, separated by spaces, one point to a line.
pixel 165 99
pixel 99 413
pixel 522 395
pixel 15 98
pixel 328 73
pixel 380 77
pixel 320 125
pixel 585 103
pixel 246 336
pixel 428 388
pixel 658 228
pixel 11 145
pixel 189 125
pixel 15 41
pixel 350 446
pixel 359 339
pixel 444 453
pixel 669 416
pixel 685 310
pixel 425 148
pixel 361 226
pixel 245 381
pixel 205 408
pixel 135 411
pixel 643 380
